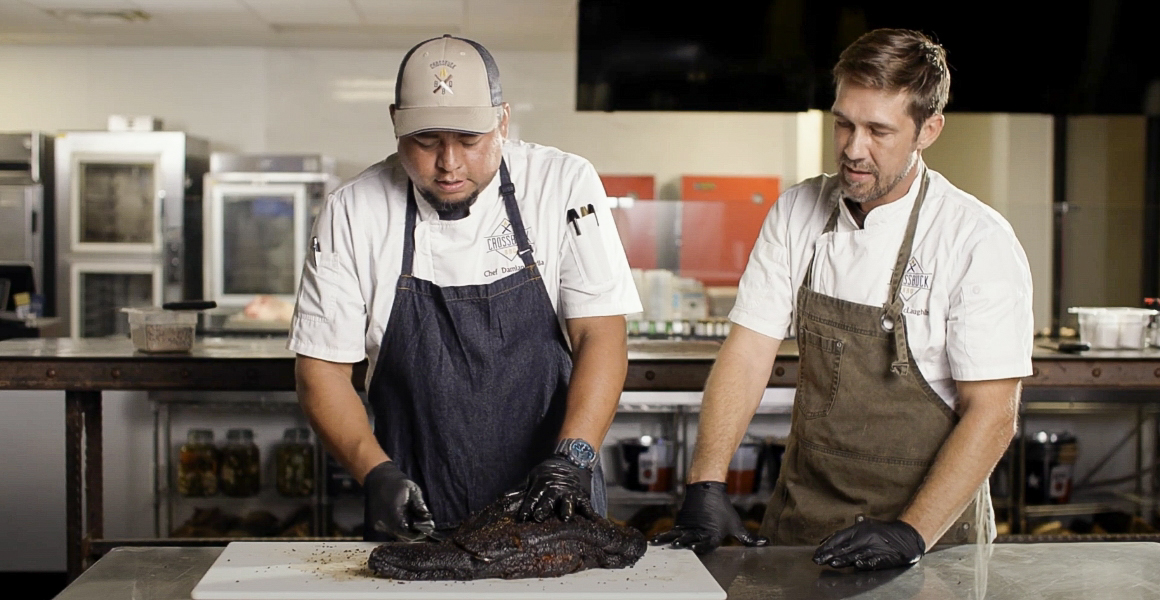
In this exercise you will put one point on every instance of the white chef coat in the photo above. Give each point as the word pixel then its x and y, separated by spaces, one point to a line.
pixel 348 282
pixel 966 292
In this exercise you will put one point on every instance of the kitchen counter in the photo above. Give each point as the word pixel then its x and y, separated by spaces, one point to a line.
pixel 1125 571
pixel 84 368
pixel 264 364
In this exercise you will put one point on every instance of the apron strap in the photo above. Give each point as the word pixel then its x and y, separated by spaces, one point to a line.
pixel 508 191
pixel 409 231
pixel 892 313
pixel 831 224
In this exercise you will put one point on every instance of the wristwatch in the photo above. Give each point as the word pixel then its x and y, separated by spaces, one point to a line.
pixel 577 452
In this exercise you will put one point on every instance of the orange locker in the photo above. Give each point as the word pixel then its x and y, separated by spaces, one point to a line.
pixel 720 220
pixel 637 227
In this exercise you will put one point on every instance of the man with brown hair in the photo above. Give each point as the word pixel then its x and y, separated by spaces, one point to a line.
pixel 911 304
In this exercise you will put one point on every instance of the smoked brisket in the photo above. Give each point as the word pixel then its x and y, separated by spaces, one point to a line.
pixel 491 544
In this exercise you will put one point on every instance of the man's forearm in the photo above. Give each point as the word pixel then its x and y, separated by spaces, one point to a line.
pixel 732 395
pixel 967 457
pixel 600 363
pixel 337 415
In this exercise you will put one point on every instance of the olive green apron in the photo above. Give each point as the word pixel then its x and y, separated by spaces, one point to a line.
pixel 866 424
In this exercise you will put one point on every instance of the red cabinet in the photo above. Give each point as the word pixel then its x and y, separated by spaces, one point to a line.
pixel 720 220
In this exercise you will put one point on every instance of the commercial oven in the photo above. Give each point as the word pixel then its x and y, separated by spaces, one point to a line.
pixel 259 211
pixel 129 223
pixel 26 169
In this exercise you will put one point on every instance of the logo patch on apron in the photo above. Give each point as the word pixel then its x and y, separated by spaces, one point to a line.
pixel 914 279
pixel 503 240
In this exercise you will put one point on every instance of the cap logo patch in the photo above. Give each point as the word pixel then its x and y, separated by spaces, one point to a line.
pixel 442 82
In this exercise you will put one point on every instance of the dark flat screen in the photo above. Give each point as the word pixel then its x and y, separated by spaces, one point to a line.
pixel 1086 57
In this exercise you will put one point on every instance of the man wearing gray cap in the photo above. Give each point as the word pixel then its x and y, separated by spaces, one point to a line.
pixel 484 281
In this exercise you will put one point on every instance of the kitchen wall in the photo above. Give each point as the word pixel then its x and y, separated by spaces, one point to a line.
pixel 1103 228
pixel 335 102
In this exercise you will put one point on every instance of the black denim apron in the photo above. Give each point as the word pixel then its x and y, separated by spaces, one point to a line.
pixel 470 388
pixel 866 424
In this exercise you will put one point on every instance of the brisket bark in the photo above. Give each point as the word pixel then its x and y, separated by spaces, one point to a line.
pixel 491 544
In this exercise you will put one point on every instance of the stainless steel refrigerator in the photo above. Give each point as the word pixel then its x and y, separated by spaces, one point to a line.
pixel 26 216
pixel 128 224
pixel 259 210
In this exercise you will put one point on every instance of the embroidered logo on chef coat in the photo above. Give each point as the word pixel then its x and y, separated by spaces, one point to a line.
pixel 503 240
pixel 914 279
pixel 442 82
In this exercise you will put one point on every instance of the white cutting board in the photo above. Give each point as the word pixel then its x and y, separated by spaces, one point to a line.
pixel 338 571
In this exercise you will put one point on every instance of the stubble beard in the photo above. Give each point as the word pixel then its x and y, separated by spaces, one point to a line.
pixel 879 189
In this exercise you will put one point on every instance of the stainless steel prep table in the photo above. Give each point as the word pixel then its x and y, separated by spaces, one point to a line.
pixel 85 367
pixel 1121 570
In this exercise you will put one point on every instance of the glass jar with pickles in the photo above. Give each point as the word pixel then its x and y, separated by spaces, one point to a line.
pixel 240 464
pixel 294 464
pixel 197 465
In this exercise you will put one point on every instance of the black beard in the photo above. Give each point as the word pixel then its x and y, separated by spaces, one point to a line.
pixel 449 211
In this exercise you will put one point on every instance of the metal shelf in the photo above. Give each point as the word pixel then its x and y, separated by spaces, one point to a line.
pixel 622 496
pixel 1088 504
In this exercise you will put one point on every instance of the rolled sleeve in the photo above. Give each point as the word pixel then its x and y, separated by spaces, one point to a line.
pixel 765 292
pixel 329 319
pixel 595 279
pixel 990 326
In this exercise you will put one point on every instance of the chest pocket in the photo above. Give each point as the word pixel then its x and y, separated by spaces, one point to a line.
pixel 821 371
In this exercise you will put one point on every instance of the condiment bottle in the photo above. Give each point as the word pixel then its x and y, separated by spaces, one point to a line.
pixel 241 466
pixel 197 465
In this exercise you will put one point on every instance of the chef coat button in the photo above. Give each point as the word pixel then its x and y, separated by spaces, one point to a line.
pixel 975 290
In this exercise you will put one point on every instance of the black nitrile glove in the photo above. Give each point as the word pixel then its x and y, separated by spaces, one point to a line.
pixel 871 544
pixel 558 487
pixel 706 518
pixel 394 508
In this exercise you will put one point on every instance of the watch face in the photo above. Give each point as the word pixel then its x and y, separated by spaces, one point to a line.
pixel 582 452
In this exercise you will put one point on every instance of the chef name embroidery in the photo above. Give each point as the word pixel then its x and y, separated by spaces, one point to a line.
pixel 503 240
pixel 914 279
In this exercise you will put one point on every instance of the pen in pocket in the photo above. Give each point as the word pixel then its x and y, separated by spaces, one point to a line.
pixel 572 218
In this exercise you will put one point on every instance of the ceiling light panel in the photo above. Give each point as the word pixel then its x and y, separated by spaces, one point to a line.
pixel 304 12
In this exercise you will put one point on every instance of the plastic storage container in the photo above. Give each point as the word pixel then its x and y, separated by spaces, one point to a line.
pixel 1114 327
pixel 158 330
pixel 1050 465
pixel 648 463
pixel 744 475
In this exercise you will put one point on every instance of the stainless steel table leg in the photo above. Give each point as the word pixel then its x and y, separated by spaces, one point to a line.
pixel 94 469
pixel 74 502
pixel 83 477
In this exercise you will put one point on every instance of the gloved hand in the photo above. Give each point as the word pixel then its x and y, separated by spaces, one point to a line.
pixel 394 508
pixel 872 544
pixel 706 518
pixel 558 487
